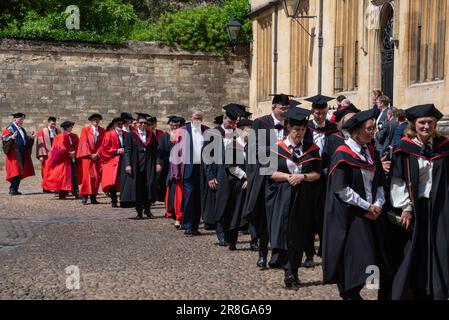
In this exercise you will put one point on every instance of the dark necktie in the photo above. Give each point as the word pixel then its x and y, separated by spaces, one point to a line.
pixel 426 150
pixel 296 152
pixel 279 126
pixel 363 152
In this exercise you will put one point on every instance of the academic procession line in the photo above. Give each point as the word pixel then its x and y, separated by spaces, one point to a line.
pixel 373 185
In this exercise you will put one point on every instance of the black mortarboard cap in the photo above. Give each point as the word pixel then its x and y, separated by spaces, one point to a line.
pixel 126 116
pixel 340 114
pixel 67 124
pixel 218 120
pixel 152 120
pixel 294 103
pixel 142 116
pixel 95 115
pixel 319 101
pixel 357 120
pixel 423 110
pixel 233 111
pixel 282 99
pixel 297 116
pixel 245 123
pixel 18 115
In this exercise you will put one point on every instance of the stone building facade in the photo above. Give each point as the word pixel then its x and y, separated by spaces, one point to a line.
pixel 72 80
pixel 398 46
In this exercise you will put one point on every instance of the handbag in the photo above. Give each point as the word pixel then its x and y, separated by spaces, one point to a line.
pixel 392 216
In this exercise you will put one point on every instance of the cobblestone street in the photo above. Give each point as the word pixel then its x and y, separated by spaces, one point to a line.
pixel 121 258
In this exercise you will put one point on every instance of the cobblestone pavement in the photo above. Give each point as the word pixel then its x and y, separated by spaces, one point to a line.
pixel 121 258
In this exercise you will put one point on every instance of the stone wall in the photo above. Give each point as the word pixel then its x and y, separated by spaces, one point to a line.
pixel 73 80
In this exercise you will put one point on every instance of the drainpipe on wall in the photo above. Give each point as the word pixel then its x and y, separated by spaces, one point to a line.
pixel 320 49
pixel 275 51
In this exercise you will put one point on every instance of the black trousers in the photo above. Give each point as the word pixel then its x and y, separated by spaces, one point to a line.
pixel 142 201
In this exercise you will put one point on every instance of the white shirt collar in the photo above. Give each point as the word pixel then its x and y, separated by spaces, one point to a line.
pixel 354 145
pixel 17 126
pixel 421 144
pixel 288 143
pixel 119 132
pixel 276 121
pixel 95 129
pixel 227 130
pixel 141 131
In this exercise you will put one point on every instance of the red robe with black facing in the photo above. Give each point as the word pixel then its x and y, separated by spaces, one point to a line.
pixel 15 164
pixel 110 160
pixel 91 174
pixel 58 172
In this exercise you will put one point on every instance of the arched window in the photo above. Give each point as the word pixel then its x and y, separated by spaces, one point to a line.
pixel 427 40
pixel 346 50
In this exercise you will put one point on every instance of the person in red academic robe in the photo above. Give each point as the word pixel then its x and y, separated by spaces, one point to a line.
pixel 44 140
pixel 90 142
pixel 173 188
pixel 17 147
pixel 111 157
pixel 61 171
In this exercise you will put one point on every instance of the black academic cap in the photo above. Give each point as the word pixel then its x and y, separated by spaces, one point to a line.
pixel 245 113
pixel 176 119
pixel 297 116
pixel 95 116
pixel 126 116
pixel 233 111
pixel 142 116
pixel 357 120
pixel 423 110
pixel 51 119
pixel 152 120
pixel 67 124
pixel 319 101
pixel 245 123
pixel 294 103
pixel 218 120
pixel 18 115
pixel 340 114
pixel 282 99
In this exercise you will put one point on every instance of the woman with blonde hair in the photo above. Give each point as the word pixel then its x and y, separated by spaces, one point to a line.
pixel 420 189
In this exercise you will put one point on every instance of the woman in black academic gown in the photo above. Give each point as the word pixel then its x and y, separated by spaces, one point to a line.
pixel 352 241
pixel 288 194
pixel 232 185
pixel 420 189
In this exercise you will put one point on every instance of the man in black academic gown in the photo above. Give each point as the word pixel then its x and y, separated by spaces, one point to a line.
pixel 138 177
pixel 272 128
pixel 319 131
pixel 215 193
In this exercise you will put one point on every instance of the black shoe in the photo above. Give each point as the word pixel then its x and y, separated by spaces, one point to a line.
pixel 232 247
pixel 15 193
pixel 254 247
pixel 93 200
pixel 262 263
pixel 84 200
pixel 62 196
pixel 188 233
pixel 148 213
pixel 308 263
pixel 114 204
pixel 196 233
pixel 222 243
pixel 291 281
